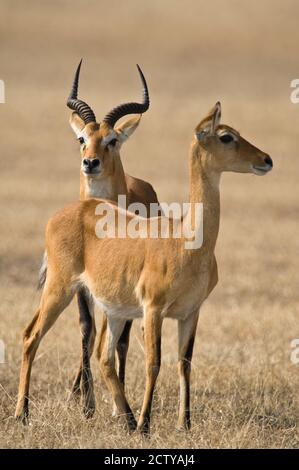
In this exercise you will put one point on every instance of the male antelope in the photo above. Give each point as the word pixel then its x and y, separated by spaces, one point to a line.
pixel 102 176
pixel 143 277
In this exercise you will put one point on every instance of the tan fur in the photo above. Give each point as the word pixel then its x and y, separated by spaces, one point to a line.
pixel 156 278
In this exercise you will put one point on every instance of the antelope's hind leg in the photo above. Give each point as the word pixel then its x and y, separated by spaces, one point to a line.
pixel 54 300
pixel 84 380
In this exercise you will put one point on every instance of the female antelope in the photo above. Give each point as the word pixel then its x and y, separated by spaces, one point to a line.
pixel 148 277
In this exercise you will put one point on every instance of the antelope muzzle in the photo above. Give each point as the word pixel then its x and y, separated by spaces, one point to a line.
pixel 91 166
pixel 265 166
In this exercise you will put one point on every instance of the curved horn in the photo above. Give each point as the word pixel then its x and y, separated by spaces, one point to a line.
pixel 129 108
pixel 84 111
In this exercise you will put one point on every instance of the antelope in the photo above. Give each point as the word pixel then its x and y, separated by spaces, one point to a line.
pixel 102 176
pixel 151 278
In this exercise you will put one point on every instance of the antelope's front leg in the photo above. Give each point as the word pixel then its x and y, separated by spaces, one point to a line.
pixel 115 328
pixel 152 337
pixel 186 332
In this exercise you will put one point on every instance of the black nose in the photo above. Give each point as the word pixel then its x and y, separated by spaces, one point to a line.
pixel 95 162
pixel 269 161
pixel 91 163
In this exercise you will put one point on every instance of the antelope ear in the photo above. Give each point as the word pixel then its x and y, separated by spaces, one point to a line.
pixel 126 128
pixel 210 123
pixel 77 124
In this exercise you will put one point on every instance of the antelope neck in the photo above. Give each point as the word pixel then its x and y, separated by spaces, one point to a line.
pixel 204 188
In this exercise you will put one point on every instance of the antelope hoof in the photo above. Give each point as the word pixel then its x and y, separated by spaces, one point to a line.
pixel 75 395
pixel 88 412
pixel 89 408
pixel 144 428
pixel 132 423
pixel 75 391
pixel 22 417
pixel 183 427
pixel 115 412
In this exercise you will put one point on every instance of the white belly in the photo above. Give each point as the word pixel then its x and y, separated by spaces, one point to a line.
pixel 124 312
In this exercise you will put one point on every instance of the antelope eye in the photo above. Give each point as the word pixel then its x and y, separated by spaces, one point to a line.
pixel 226 138
pixel 112 142
pixel 81 140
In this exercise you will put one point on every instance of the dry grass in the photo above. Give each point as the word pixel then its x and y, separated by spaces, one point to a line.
pixel 244 387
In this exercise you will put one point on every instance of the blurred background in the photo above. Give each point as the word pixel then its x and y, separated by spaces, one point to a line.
pixel 193 53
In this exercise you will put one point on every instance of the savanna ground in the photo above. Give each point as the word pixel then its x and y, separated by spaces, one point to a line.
pixel 244 386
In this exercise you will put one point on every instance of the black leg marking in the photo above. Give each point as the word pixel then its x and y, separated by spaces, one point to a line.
pixel 122 350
